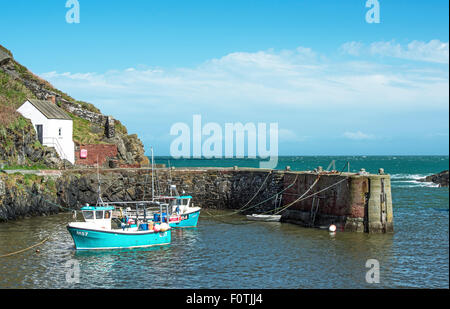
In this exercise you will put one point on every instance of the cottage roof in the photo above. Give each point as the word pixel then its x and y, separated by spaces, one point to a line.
pixel 49 109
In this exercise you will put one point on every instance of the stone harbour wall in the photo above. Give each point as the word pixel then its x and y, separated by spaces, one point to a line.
pixel 351 202
pixel 361 203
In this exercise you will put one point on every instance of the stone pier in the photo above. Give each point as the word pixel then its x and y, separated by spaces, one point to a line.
pixel 360 203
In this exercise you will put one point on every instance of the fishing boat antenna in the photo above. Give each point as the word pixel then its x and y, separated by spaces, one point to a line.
pixel 99 199
pixel 170 174
pixel 153 182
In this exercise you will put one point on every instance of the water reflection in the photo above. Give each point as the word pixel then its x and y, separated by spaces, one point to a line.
pixel 233 253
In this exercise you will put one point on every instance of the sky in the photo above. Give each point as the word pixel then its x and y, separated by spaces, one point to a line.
pixel 334 83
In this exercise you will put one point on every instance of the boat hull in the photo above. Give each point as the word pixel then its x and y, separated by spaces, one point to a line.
pixel 264 218
pixel 187 220
pixel 90 239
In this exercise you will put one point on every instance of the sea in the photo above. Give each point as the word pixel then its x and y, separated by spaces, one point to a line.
pixel 239 254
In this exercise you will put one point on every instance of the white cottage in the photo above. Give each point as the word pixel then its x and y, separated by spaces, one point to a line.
pixel 54 127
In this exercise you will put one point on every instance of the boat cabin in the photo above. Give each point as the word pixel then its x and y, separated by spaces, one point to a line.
pixel 181 203
pixel 100 216
pixel 177 204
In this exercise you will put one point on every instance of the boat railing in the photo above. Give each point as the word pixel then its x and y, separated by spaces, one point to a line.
pixel 138 209
pixel 133 213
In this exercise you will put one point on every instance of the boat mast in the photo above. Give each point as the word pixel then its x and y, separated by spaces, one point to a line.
pixel 99 199
pixel 169 183
pixel 153 183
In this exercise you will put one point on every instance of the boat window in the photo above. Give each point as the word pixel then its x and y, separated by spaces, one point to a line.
pixel 107 214
pixel 178 202
pixel 185 201
pixel 88 215
pixel 99 214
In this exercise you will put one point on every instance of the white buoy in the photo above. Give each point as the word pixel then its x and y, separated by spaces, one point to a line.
pixel 164 227
pixel 332 228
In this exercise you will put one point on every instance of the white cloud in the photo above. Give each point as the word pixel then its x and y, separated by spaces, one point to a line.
pixel 432 51
pixel 358 136
pixel 351 48
pixel 286 135
pixel 292 78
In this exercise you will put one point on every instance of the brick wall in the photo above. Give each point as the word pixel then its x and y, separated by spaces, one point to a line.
pixel 103 151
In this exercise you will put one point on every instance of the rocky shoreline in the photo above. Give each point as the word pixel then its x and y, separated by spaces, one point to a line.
pixel 440 178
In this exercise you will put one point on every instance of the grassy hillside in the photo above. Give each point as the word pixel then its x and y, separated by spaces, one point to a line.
pixel 17 84
pixel 13 93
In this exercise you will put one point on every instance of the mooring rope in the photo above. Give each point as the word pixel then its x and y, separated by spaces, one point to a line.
pixel 302 198
pixel 262 202
pixel 251 222
pixel 26 249
pixel 260 187
pixel 217 218
pixel 309 189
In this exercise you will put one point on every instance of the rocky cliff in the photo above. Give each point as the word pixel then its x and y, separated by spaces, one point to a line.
pixel 19 145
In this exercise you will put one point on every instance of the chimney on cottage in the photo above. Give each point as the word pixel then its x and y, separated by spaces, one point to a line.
pixel 52 99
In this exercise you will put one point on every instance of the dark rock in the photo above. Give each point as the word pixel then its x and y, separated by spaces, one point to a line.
pixel 440 178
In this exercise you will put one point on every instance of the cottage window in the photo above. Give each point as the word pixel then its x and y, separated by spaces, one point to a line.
pixel 60 131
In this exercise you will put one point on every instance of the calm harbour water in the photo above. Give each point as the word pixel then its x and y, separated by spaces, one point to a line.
pixel 233 253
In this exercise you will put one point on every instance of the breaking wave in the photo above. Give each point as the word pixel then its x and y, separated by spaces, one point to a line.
pixel 411 180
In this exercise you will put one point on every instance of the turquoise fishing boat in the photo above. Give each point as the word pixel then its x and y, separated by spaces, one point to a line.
pixel 97 233
pixel 183 213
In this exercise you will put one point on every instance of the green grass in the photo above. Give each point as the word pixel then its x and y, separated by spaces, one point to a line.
pixel 35 167
pixel 83 132
pixel 119 127
pixel 6 50
pixel 13 93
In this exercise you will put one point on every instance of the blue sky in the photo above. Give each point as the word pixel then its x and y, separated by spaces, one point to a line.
pixel 334 83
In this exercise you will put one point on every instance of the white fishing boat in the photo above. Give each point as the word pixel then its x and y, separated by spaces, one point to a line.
pixel 182 212
pixel 264 218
